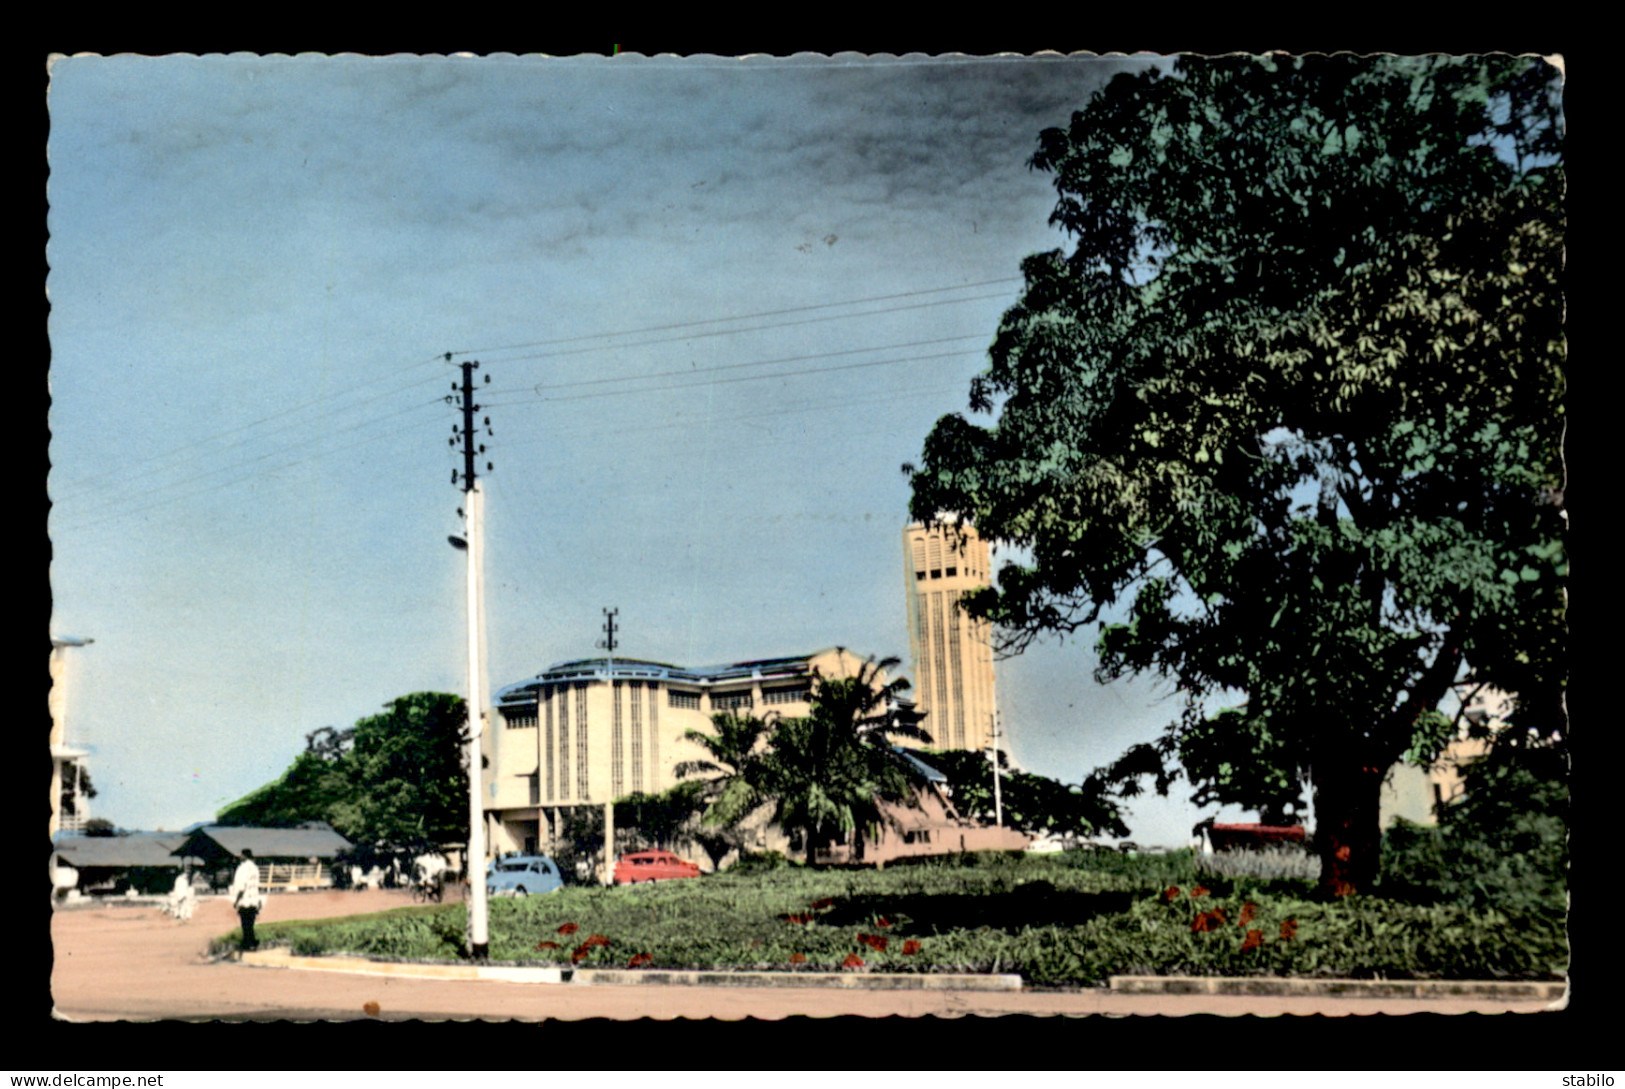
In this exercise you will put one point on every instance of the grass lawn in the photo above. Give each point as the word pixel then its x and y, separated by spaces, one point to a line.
pixel 1063 920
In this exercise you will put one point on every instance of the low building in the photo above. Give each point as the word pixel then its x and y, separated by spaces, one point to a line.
pixel 920 825
pixel 144 862
pixel 301 857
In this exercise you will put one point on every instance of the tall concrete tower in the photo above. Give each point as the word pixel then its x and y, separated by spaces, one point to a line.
pixel 953 654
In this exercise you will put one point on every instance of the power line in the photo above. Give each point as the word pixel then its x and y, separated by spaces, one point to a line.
pixel 747 329
pixel 540 387
pixel 137 469
pixel 742 317
pixel 743 378
pixel 66 491
pixel 114 514
pixel 103 475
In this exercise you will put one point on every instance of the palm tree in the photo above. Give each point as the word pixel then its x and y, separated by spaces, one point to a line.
pixel 735 764
pixel 825 773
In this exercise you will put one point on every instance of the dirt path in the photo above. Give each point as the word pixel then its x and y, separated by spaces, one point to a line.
pixel 133 963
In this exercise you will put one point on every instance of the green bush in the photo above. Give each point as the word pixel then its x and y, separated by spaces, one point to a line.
pixel 761 861
pixel 1503 847
pixel 1065 920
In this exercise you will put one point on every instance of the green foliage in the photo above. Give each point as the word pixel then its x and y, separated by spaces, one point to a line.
pixel 758 861
pixel 313 788
pixel 1032 803
pixel 656 819
pixel 824 773
pixel 1503 846
pixel 1290 408
pixel 735 768
pixel 1071 919
pixel 395 779
pixel 1232 760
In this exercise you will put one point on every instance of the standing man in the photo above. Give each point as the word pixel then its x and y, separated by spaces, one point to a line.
pixel 182 898
pixel 245 897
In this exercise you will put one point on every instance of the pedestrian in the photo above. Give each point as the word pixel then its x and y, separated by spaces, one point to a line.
pixel 245 897
pixel 182 898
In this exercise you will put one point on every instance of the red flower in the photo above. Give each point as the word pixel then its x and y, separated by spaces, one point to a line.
pixel 1198 892
pixel 1342 853
pixel 911 947
pixel 1342 888
pixel 798 958
pixel 596 939
pixel 1248 910
pixel 568 928
pixel 820 905
pixel 1254 940
pixel 852 961
pixel 1289 930
pixel 878 942
pixel 579 953
pixel 796 918
pixel 1171 893
pixel 1218 917
pixel 640 960
pixel 883 921
pixel 1203 922
pixel 547 945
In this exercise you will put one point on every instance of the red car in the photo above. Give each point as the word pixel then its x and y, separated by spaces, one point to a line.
pixel 652 866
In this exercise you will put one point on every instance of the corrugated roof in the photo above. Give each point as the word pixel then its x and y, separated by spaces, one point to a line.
pixel 317 841
pixel 924 770
pixel 135 849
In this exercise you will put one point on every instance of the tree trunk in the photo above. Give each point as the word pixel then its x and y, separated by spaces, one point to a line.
pixel 1348 833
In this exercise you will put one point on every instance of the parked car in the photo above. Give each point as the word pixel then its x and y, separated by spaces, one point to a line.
pixel 652 866
pixel 522 875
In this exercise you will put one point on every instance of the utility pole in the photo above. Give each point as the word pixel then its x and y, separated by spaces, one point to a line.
pixel 474 514
pixel 993 755
pixel 608 644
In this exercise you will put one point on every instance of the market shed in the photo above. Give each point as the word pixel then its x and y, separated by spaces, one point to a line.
pixel 301 857
pixel 143 861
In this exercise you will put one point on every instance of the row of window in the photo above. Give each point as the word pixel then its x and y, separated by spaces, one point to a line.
pixel 689 701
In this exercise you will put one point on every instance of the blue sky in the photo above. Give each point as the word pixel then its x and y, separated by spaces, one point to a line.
pixel 720 301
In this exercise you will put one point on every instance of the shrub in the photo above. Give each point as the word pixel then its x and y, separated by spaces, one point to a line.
pixel 1281 862
pixel 1503 847
pixel 761 862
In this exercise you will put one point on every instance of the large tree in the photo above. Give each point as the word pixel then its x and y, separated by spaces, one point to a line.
pixel 1285 418
pixel 316 786
pixel 398 778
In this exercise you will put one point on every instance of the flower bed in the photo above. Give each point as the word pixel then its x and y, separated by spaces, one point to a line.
pixel 1063 920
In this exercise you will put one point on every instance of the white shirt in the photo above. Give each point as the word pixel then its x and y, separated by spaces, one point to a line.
pixel 245 885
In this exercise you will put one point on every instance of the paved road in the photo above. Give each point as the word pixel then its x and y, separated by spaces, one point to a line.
pixel 132 963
